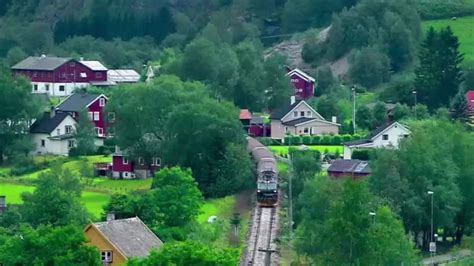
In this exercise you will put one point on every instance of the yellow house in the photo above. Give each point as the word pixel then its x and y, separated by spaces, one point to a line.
pixel 119 240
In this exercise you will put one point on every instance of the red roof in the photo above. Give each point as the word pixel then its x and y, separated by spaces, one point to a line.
pixel 245 114
pixel 470 99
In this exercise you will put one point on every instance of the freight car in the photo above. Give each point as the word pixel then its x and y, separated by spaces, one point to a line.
pixel 266 171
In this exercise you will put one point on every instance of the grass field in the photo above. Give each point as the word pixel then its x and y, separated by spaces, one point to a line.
pixel 463 28
pixel 93 201
pixel 222 208
pixel 283 150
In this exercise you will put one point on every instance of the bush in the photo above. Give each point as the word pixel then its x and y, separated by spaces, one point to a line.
pixel 326 140
pixel 307 140
pixel 346 138
pixel 361 155
pixel 287 139
pixel 23 165
pixel 336 140
pixel 316 140
pixel 356 137
pixel 295 140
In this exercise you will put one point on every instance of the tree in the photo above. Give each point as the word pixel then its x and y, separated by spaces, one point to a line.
pixel 379 114
pixel 47 245
pixel 18 109
pixel 459 106
pixel 327 107
pixel 189 253
pixel 325 80
pixel 177 197
pixel 56 200
pixel 364 117
pixel 369 67
pixel 276 82
pixel 439 74
pixel 85 135
pixel 200 60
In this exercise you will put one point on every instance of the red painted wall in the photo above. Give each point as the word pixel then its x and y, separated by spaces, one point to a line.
pixel 343 175
pixel 95 107
pixel 257 131
pixel 306 87
pixel 69 72
pixel 118 166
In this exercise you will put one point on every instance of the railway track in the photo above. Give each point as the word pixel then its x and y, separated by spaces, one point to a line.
pixel 261 248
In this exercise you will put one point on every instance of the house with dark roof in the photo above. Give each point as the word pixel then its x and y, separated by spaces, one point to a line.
pixel 53 134
pixel 302 82
pixel 120 240
pixel 59 76
pixel 349 168
pixel 385 136
pixel 299 118
pixel 94 105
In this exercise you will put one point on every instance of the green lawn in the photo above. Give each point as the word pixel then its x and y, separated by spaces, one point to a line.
pixel 122 185
pixel 93 201
pixel 283 150
pixel 463 28
pixel 222 208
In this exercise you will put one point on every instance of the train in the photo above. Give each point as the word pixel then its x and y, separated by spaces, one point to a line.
pixel 266 173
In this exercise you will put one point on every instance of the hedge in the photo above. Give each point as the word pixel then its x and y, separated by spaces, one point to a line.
pixel 311 140
pixel 363 154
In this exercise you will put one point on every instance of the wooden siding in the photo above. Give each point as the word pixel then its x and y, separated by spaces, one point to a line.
pixel 98 240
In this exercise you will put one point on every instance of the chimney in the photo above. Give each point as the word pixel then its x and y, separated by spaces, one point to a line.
pixel 3 204
pixel 51 112
pixel 43 55
pixel 81 58
pixel 117 149
pixel 292 99
pixel 110 216
pixel 334 119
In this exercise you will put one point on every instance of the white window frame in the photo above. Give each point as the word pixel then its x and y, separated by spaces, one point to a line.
pixel 83 75
pixel 141 161
pixel 43 143
pixel 35 87
pixel 383 137
pixel 302 113
pixel 99 131
pixel 71 143
pixel 46 86
pixel 124 160
pixel 91 116
pixel 62 88
pixel 96 116
pixel 309 114
pixel 295 114
pixel 106 257
pixel 156 161
pixel 101 102
pixel 306 130
pixel 68 129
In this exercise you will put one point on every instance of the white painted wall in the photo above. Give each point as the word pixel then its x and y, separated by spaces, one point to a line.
pixel 395 133
pixel 54 88
pixel 56 147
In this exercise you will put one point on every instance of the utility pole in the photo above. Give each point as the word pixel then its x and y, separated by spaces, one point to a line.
pixel 354 108
pixel 290 192
pixel 432 245
pixel 415 94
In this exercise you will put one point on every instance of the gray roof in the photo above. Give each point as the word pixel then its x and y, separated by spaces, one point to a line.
pixel 94 65
pixel 299 121
pixel 350 166
pixel 357 142
pixel 47 124
pixel 123 75
pixel 282 111
pixel 77 102
pixel 40 63
pixel 131 236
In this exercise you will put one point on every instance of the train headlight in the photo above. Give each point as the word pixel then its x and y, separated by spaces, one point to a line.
pixel 274 191
pixel 258 191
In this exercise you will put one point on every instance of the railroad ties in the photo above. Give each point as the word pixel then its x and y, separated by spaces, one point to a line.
pixel 261 248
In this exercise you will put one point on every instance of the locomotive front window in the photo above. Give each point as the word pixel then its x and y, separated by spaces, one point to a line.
pixel 272 186
pixel 261 186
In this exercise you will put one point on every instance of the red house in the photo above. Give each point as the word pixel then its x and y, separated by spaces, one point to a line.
pixel 94 104
pixel 303 83
pixel 125 168
pixel 60 76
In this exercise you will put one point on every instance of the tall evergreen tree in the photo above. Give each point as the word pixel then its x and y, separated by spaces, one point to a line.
pixel 439 74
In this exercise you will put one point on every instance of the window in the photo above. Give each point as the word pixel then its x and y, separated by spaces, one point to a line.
pixel 35 87
pixel 98 75
pixel 43 142
pixel 156 161
pixel 308 113
pixel 106 256
pixel 111 117
pixel 91 115
pixel 286 129
pixel 83 75
pixel 124 160
pixel 47 87
pixel 58 131
pixel 61 87
pixel 71 143
pixel 306 130
pixel 405 136
pixel 101 102
pixel 295 114
pixel 99 131
pixel 385 137
pixel 96 116
pixel 68 129
pixel 302 113
pixel 141 161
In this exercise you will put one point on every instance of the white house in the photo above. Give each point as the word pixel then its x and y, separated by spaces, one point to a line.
pixel 299 118
pixel 387 136
pixel 53 134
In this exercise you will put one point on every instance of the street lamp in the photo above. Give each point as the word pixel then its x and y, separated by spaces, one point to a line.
pixel 354 108
pixel 290 191
pixel 373 216
pixel 415 94
pixel 431 193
